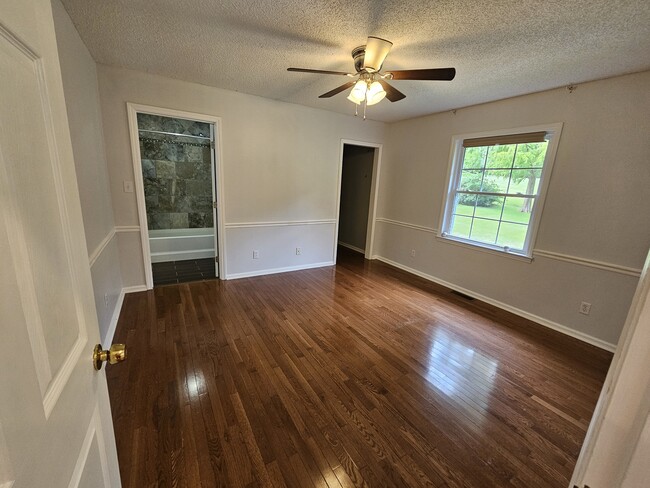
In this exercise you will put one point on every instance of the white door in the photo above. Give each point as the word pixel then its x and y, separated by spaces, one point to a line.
pixel 55 425
pixel 616 451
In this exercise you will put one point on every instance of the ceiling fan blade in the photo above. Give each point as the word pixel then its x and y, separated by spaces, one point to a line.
pixel 433 74
pixel 339 89
pixel 376 51
pixel 393 94
pixel 319 71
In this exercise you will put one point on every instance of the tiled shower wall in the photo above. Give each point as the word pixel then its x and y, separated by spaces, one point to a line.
pixel 177 173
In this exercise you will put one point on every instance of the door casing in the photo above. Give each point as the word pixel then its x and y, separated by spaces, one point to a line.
pixel 133 109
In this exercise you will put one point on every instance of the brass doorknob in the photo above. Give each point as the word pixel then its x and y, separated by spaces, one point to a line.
pixel 115 354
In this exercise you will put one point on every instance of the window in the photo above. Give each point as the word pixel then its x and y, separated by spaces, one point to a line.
pixel 497 183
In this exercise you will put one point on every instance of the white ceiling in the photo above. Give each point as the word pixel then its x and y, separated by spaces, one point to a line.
pixel 500 48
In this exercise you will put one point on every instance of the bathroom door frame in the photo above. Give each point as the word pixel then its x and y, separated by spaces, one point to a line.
pixel 133 109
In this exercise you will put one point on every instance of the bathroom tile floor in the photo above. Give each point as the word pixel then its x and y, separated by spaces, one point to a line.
pixel 183 271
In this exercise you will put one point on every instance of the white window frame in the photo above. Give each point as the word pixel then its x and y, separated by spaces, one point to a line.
pixel 457 154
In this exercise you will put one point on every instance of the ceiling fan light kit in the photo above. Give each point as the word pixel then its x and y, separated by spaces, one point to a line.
pixel 371 86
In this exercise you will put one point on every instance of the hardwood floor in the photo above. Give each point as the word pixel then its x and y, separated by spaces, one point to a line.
pixel 354 375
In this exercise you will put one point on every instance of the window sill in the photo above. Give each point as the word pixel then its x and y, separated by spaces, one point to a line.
pixel 478 247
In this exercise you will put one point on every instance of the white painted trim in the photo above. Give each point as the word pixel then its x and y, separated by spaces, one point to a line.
pixel 159 257
pixel 614 268
pixel 24 278
pixel 263 272
pixel 279 223
pixel 99 249
pixel 58 383
pixel 350 246
pixel 374 194
pixel 504 306
pixel 127 228
pixel 615 384
pixel 134 289
pixel 94 429
pixel 132 110
pixel 406 224
pixel 61 377
pixel 132 113
pixel 591 263
pixel 115 317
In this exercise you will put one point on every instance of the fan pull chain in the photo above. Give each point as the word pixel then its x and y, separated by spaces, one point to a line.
pixel 365 104
pixel 356 110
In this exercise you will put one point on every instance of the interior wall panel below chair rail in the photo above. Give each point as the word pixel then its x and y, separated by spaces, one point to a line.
pixel 276 246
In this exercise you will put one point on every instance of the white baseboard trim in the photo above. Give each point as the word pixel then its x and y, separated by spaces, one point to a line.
pixel 134 289
pixel 263 272
pixel 110 333
pixel 350 246
pixel 594 341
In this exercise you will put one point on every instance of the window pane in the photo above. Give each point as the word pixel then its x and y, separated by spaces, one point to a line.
pixel 518 209
pixel 484 230
pixel 470 180
pixel 525 181
pixel 512 235
pixel 531 155
pixel 492 211
pixel 496 181
pixel 474 157
pixel 465 204
pixel 501 156
pixel 460 226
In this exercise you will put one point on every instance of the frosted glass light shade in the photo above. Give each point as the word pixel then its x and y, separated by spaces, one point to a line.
pixel 358 93
pixel 375 94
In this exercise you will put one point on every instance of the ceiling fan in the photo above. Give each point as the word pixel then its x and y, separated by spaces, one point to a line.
pixel 370 86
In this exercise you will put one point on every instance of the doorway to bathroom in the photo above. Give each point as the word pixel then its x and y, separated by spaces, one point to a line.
pixel 176 168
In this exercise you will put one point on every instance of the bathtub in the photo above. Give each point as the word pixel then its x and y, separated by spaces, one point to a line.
pixel 181 244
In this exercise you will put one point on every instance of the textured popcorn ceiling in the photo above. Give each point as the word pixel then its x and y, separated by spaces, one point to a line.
pixel 500 48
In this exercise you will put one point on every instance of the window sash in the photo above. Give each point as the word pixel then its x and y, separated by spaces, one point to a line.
pixel 488 193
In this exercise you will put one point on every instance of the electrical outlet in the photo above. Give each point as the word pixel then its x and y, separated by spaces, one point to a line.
pixel 298 251
pixel 585 308
pixel 106 299
pixel 256 254
pixel 128 186
pixel 412 253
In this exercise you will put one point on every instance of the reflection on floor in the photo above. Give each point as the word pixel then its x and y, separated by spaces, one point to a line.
pixel 183 271
pixel 354 375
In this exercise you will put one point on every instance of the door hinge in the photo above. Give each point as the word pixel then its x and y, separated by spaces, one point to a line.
pixel 212 144
pixel 214 204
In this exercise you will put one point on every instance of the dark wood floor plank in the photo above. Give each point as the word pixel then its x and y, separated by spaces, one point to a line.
pixel 358 375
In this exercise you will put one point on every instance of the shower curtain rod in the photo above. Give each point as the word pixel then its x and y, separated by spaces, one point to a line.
pixel 174 134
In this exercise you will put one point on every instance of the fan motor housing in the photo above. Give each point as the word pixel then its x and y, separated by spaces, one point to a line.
pixel 358 54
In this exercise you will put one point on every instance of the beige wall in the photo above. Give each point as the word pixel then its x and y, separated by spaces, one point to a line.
pixel 280 166
pixel 79 75
pixel 596 207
